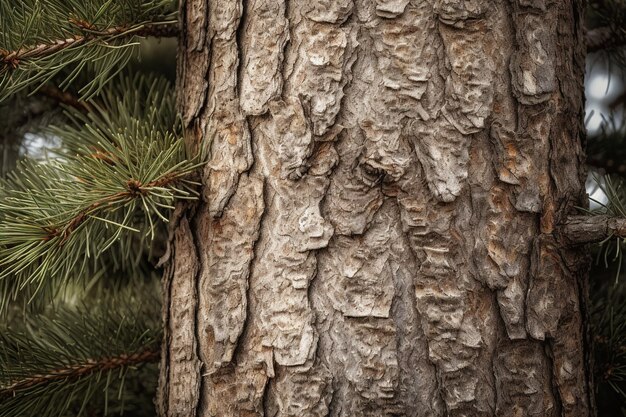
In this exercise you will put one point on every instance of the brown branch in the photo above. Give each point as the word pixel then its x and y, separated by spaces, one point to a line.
pixel 165 180
pixel 169 30
pixel 603 38
pixel 134 189
pixel 580 230
pixel 64 97
pixel 64 233
pixel 13 58
pixel 90 366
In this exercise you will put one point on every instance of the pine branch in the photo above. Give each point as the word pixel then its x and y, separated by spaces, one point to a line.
pixel 13 58
pixel 609 221
pixel 42 39
pixel 135 189
pixel 579 230
pixel 80 370
pixel 68 360
pixel 605 224
pixel 116 178
pixel 64 97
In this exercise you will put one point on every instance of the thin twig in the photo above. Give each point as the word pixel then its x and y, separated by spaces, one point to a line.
pixel 88 367
pixel 13 58
pixel 134 190
pixel 64 97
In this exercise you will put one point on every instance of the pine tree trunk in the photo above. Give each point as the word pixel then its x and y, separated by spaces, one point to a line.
pixel 378 234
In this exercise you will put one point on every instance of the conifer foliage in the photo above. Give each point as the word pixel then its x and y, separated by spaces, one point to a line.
pixel 41 39
pixel 81 227
pixel 120 168
pixel 606 152
pixel 73 361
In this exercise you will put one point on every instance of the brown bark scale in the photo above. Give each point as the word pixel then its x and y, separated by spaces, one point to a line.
pixel 377 235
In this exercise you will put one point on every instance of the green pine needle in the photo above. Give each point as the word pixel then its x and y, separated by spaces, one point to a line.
pixel 112 184
pixel 41 39
pixel 72 361
pixel 611 248
pixel 608 327
pixel 608 306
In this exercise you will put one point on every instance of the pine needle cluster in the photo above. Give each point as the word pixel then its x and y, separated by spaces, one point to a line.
pixel 607 34
pixel 82 224
pixel 611 250
pixel 608 304
pixel 606 154
pixel 76 360
pixel 44 39
pixel 120 168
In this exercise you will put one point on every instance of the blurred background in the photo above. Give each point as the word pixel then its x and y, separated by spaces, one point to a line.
pixel 605 90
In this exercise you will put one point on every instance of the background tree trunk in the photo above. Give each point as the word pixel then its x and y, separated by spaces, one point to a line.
pixel 378 231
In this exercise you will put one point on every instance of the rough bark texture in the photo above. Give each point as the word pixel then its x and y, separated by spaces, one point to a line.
pixel 378 231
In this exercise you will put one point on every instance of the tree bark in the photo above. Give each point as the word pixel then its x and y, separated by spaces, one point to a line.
pixel 378 229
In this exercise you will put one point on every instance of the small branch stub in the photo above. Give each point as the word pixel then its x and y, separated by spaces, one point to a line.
pixel 580 230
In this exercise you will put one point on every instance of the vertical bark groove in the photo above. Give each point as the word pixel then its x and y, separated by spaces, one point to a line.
pixel 182 375
pixel 377 235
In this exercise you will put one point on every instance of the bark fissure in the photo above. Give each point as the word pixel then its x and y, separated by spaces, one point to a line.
pixel 197 239
pixel 166 285
pixel 557 398
pixel 181 374
pixel 239 38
